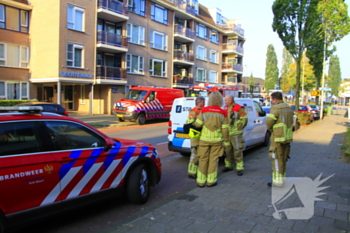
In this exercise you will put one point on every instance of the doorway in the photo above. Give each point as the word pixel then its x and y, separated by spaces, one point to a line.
pixel 68 101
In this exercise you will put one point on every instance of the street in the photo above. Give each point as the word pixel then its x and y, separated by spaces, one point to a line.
pixel 98 217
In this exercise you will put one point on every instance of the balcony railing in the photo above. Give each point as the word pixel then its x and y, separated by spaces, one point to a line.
pixel 182 80
pixel 185 6
pixel 181 30
pixel 111 39
pixel 183 56
pixel 112 73
pixel 233 67
pixel 115 6
pixel 230 46
pixel 233 27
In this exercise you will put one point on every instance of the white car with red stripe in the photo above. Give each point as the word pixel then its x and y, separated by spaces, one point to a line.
pixel 49 162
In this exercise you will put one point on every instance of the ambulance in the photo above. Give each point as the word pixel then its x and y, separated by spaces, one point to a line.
pixel 142 103
pixel 255 133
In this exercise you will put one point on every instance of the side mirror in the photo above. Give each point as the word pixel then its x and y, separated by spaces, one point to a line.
pixel 262 113
pixel 109 144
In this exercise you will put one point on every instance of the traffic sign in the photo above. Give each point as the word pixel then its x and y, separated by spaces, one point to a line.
pixel 325 89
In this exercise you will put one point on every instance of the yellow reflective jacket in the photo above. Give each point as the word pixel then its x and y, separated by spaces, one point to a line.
pixel 214 124
pixel 237 118
pixel 280 122
pixel 192 116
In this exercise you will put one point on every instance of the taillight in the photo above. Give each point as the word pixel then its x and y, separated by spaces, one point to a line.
pixel 169 128
pixel 65 112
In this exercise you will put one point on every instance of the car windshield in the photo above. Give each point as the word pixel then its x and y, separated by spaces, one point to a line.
pixel 301 108
pixel 135 95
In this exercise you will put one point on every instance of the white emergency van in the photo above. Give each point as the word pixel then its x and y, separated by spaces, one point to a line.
pixel 255 133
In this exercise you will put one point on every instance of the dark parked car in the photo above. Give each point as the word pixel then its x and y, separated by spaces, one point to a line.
pixel 315 110
pixel 48 107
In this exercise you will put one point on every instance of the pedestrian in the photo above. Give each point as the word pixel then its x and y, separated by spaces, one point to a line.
pixel 237 119
pixel 280 122
pixel 194 159
pixel 214 137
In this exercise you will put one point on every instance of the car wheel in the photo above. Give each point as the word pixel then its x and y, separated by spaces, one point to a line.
pixel 141 119
pixel 138 185
pixel 185 154
pixel 267 138
pixel 121 119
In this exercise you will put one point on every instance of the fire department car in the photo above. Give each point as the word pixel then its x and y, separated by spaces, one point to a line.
pixel 49 163
pixel 255 133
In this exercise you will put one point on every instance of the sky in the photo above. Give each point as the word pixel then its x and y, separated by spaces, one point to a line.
pixel 257 16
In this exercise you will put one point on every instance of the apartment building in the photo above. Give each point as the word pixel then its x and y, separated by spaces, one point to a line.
pixel 85 54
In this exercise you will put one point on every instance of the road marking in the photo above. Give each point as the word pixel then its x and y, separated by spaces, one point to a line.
pixel 161 143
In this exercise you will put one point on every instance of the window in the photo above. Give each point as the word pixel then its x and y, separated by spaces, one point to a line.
pixel 20 138
pixel 231 79
pixel 16 90
pixel 214 56
pixel 82 94
pixel 134 64
pixel 2 90
pixel 136 34
pixel 157 68
pixel 201 31
pixel 70 136
pixel 218 19
pixel 200 75
pixel 24 91
pixel 2 16
pixel 14 19
pixel 24 21
pixel 214 36
pixel 14 55
pixel 74 55
pixel 159 14
pixel 137 6
pixel 213 76
pixel 201 53
pixel 158 40
pixel 75 18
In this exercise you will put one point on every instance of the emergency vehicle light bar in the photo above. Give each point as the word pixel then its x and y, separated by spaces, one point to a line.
pixel 34 109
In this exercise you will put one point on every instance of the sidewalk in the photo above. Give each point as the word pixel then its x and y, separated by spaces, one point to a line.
pixel 243 204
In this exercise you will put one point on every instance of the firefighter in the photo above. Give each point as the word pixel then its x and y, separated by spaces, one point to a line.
pixel 280 123
pixel 214 136
pixel 194 113
pixel 238 119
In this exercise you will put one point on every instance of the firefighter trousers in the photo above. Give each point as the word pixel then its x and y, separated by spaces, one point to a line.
pixel 234 152
pixel 209 154
pixel 194 160
pixel 278 153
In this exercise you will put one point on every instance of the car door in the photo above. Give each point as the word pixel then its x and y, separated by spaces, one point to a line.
pixel 85 166
pixel 28 172
pixel 259 123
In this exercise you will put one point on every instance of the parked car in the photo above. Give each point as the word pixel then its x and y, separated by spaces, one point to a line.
pixel 255 133
pixel 50 163
pixel 305 109
pixel 48 107
pixel 315 109
pixel 266 108
pixel 296 124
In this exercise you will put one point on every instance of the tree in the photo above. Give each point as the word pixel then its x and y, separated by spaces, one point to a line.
pixel 334 75
pixel 251 84
pixel 295 22
pixel 271 69
pixel 286 62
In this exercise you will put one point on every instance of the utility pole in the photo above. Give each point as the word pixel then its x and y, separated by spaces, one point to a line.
pixel 302 91
pixel 323 70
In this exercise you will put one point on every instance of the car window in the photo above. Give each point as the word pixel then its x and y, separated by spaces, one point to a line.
pixel 259 111
pixel 19 138
pixel 302 108
pixel 49 108
pixel 69 135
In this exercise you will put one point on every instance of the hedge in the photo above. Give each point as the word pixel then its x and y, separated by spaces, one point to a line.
pixel 14 102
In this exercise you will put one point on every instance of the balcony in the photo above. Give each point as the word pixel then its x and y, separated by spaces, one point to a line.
pixel 233 29
pixel 185 6
pixel 183 58
pixel 113 11
pixel 110 75
pixel 232 68
pixel 183 34
pixel 229 48
pixel 111 42
pixel 182 81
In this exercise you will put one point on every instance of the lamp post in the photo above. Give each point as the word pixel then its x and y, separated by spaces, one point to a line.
pixel 302 91
pixel 323 70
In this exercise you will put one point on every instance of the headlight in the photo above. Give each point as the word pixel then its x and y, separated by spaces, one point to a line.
pixel 131 108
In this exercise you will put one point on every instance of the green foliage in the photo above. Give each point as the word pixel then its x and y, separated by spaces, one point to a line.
pixel 13 102
pixel 334 75
pixel 251 84
pixel 304 118
pixel 346 147
pixel 271 69
pixel 286 62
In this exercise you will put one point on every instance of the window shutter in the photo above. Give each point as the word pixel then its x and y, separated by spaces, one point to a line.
pixel 141 64
pixel 142 36
pixel 142 7
pixel 197 30
pixel 128 63
pixel 152 12
pixel 165 16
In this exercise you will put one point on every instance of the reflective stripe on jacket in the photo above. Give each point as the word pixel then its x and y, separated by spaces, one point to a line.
pixel 280 121
pixel 237 118
pixel 194 113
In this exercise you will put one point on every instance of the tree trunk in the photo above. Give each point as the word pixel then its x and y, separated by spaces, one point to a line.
pixel 297 94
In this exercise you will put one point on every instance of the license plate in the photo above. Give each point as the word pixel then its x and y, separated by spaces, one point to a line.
pixel 182 135
pixel 120 116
